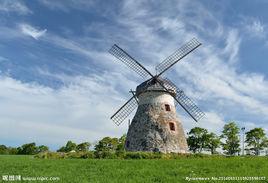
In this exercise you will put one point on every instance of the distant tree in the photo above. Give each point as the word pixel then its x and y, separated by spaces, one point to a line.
pixel 212 142
pixel 12 150
pixel 62 149
pixel 3 149
pixel 83 146
pixel 42 148
pixel 197 139
pixel 121 143
pixel 8 150
pixel 107 144
pixel 70 146
pixel 28 149
pixel 256 140
pixel 19 150
pixel 231 135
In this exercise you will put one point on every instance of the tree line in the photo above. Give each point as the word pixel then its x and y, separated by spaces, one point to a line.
pixel 199 139
pixel 107 144
pixel 28 149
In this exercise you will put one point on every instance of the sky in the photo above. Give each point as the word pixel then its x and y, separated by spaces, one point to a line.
pixel 58 82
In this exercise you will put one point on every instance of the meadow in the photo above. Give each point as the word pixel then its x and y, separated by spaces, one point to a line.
pixel 130 170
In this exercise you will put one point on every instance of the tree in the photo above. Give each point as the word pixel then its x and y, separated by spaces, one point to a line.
pixel 62 149
pixel 212 142
pixel 107 144
pixel 28 149
pixel 12 150
pixel 70 146
pixel 3 149
pixel 231 135
pixel 197 139
pixel 83 146
pixel 42 148
pixel 256 140
pixel 121 143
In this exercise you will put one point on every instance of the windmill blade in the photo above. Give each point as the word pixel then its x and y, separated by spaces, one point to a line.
pixel 134 95
pixel 185 102
pixel 189 106
pixel 124 111
pixel 177 56
pixel 123 56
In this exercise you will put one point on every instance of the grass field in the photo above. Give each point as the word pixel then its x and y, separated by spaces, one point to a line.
pixel 114 170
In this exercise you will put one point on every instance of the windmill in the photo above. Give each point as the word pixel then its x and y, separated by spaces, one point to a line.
pixel 156 126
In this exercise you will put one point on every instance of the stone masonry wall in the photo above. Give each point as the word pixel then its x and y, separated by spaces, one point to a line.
pixel 150 128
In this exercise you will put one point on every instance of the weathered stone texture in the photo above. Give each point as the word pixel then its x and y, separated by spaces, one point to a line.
pixel 150 129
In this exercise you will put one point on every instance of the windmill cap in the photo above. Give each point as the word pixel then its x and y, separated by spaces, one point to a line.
pixel 153 85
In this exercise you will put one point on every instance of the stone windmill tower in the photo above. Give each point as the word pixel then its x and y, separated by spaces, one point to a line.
pixel 156 126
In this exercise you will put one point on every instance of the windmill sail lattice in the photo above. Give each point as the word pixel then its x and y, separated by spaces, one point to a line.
pixel 186 103
pixel 189 106
pixel 177 56
pixel 128 60
pixel 124 111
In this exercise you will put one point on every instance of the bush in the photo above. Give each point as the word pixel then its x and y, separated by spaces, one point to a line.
pixel 143 155
pixel 120 155
pixel 183 155
pixel 88 155
pixel 72 155
pixel 105 155
pixel 51 155
pixel 133 155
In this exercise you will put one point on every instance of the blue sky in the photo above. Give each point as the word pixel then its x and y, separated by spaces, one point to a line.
pixel 59 83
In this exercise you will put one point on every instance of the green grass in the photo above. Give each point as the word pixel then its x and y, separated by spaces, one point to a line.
pixel 115 170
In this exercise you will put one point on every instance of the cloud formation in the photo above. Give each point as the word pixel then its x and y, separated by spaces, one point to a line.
pixel 67 5
pixel 14 6
pixel 31 31
pixel 79 111
pixel 254 27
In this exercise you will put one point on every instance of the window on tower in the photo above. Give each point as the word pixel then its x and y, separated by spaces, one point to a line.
pixel 167 107
pixel 172 126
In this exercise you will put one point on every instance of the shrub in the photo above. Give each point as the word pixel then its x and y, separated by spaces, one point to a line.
pixel 51 155
pixel 133 155
pixel 142 155
pixel 88 155
pixel 73 155
pixel 120 154
pixel 105 155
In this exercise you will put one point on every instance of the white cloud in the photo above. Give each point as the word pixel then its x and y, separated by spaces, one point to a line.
pixel 67 4
pixel 216 81
pixel 14 6
pixel 32 31
pixel 213 121
pixel 3 59
pixel 79 111
pixel 232 45
pixel 254 27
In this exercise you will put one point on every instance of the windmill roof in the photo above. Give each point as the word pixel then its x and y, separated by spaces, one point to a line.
pixel 153 85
